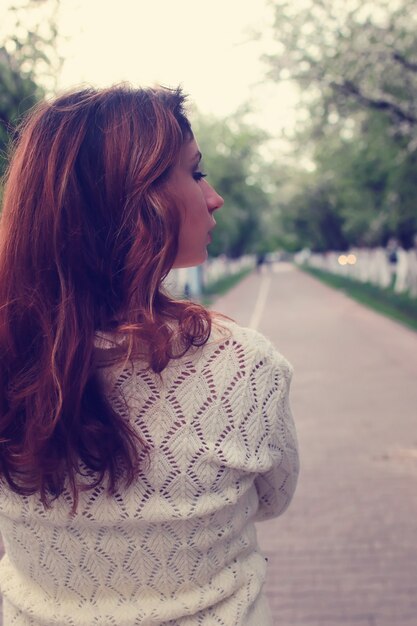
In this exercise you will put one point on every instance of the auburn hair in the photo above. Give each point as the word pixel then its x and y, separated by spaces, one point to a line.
pixel 87 235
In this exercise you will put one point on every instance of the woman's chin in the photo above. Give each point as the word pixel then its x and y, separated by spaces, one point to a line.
pixel 190 261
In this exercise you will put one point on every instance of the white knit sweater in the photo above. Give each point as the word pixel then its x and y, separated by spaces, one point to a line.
pixel 179 546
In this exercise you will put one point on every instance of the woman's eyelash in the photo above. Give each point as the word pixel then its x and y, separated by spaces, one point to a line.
pixel 199 175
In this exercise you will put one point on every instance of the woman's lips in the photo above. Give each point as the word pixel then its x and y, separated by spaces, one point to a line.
pixel 210 231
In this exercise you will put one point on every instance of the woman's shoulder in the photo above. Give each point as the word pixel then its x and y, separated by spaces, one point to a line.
pixel 230 350
pixel 248 345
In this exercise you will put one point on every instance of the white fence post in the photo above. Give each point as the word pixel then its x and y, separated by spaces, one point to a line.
pixel 191 281
pixel 371 265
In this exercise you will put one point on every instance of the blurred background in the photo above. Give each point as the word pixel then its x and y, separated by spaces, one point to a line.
pixel 305 110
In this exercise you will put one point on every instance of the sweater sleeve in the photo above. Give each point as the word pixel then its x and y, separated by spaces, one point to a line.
pixel 278 472
pixel 258 436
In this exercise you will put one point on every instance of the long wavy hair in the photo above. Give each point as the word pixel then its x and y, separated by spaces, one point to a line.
pixel 87 235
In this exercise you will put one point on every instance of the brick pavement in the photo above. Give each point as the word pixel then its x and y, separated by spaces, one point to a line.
pixel 345 552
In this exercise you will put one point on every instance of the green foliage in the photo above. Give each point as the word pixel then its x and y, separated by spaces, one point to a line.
pixel 231 158
pixel 356 66
pixel 18 93
pixel 349 55
pixel 27 58
pixel 400 307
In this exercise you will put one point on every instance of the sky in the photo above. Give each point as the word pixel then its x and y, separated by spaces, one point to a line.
pixel 208 48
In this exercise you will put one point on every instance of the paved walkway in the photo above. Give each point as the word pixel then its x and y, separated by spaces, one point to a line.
pixel 345 552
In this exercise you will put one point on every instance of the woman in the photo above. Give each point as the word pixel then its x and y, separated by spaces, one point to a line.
pixel 140 437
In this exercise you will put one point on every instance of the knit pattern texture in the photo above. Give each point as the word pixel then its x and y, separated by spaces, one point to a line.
pixel 179 546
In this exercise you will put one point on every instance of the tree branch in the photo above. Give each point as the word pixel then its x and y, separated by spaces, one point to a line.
pixel 350 89
pixel 407 64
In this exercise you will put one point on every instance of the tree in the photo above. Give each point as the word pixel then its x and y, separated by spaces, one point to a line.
pixel 27 60
pixel 18 93
pixel 350 55
pixel 356 66
pixel 231 157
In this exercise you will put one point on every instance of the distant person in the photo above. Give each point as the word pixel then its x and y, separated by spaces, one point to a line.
pixel 392 250
pixel 140 436
pixel 260 261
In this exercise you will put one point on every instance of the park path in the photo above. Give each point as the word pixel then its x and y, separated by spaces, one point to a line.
pixel 345 552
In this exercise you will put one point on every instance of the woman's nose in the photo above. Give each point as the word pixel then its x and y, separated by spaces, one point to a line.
pixel 214 200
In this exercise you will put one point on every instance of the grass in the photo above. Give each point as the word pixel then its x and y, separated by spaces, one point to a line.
pixel 399 307
pixel 222 286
